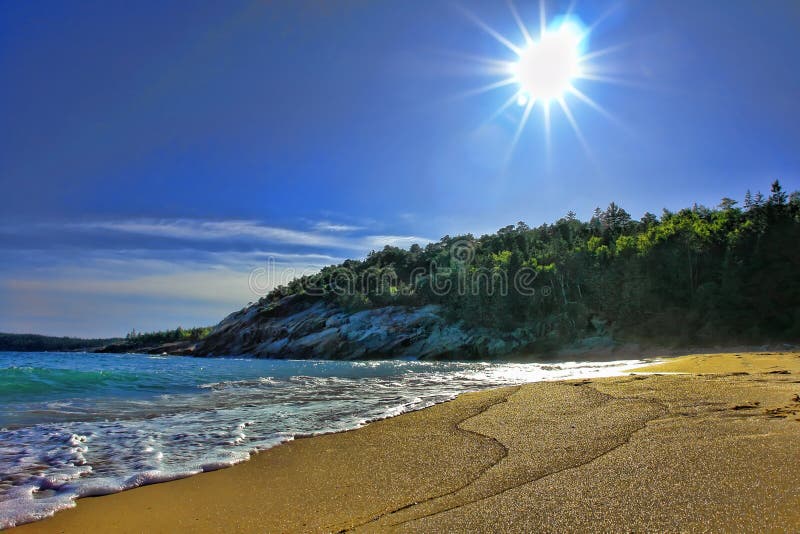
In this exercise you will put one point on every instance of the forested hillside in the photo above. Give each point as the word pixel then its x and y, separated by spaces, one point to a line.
pixel 37 343
pixel 133 342
pixel 701 275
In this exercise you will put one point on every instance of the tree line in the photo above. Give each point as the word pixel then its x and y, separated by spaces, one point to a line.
pixel 699 275
pixel 142 339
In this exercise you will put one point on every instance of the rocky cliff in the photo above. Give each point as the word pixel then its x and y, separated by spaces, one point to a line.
pixel 303 327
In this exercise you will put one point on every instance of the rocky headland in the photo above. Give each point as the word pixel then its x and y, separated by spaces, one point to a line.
pixel 301 327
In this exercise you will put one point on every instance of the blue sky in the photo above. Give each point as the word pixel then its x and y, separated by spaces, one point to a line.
pixel 153 154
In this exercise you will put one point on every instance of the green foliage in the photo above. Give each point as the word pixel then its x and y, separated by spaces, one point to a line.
pixel 593 243
pixel 699 275
pixel 501 259
pixel 146 339
pixel 134 340
pixel 625 244
pixel 37 343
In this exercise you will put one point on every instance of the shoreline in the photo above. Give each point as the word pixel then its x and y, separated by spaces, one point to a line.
pixel 31 505
pixel 433 468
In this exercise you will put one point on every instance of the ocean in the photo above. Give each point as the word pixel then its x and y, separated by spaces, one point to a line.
pixel 81 424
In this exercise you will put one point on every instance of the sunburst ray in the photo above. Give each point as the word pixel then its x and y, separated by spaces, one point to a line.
pixel 491 31
pixel 507 104
pixel 522 28
pixel 542 19
pixel 546 69
pixel 488 65
pixel 488 87
pixel 521 126
pixel 565 108
pixel 603 52
pixel 547 126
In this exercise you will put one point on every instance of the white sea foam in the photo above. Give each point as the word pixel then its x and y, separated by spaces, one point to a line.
pixel 158 420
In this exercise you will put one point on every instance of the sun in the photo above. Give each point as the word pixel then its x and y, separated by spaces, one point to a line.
pixel 546 69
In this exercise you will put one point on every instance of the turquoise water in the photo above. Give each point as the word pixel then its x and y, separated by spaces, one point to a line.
pixel 77 424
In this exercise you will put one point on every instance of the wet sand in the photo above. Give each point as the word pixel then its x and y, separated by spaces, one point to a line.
pixel 713 445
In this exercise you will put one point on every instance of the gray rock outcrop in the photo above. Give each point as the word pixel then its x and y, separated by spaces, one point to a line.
pixel 304 327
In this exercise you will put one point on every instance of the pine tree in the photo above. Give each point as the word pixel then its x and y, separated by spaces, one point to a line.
pixel 615 218
pixel 649 219
pixel 777 195
pixel 748 200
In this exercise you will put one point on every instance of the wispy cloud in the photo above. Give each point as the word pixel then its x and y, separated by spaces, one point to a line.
pixel 96 277
pixel 137 289
pixel 325 226
pixel 196 229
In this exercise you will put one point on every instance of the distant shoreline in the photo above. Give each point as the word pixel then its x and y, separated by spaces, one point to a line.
pixel 621 350
pixel 643 451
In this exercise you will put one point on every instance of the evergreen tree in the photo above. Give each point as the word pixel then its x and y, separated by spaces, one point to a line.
pixel 748 200
pixel 698 275
pixel 777 197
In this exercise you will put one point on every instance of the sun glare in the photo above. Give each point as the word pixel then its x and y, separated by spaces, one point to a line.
pixel 546 68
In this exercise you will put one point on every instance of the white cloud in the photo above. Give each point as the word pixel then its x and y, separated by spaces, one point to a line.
pixel 195 229
pixel 67 284
pixel 220 278
pixel 325 226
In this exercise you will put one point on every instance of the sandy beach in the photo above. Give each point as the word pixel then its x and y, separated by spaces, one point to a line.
pixel 696 443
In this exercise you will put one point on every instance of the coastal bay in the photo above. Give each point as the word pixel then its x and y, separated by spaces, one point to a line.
pixel 691 447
